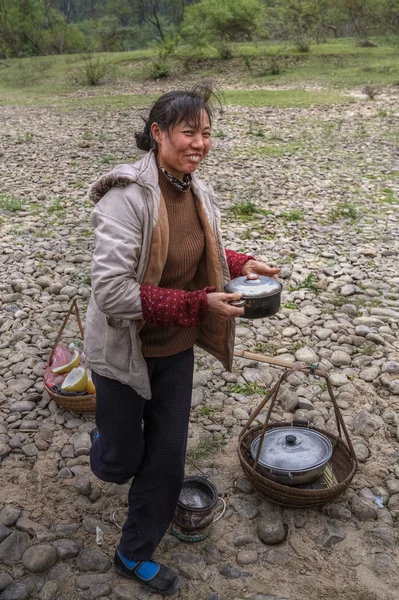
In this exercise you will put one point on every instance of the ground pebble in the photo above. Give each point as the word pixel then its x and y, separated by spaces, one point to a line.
pixel 244 508
pixel 247 557
pixel 39 558
pixel 270 529
pixel 92 559
pixel 231 572
pixel 13 547
pixel 5 580
pixel 67 548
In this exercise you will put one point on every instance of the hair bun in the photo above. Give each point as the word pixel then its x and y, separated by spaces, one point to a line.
pixel 143 140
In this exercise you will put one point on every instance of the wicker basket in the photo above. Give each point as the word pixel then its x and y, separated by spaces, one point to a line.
pixel 78 404
pixel 343 461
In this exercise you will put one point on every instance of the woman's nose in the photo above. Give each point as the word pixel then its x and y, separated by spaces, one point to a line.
pixel 197 141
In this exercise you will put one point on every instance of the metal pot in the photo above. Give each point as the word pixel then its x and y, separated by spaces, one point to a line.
pixel 292 455
pixel 261 295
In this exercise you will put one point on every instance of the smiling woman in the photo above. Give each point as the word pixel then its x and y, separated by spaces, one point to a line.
pixel 158 273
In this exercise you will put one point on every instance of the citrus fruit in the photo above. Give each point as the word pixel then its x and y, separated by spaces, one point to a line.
pixel 75 381
pixel 90 387
pixel 69 366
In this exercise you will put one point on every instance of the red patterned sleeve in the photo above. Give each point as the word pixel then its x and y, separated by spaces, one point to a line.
pixel 235 261
pixel 174 308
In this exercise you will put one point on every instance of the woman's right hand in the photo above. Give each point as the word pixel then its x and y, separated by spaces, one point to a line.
pixel 218 304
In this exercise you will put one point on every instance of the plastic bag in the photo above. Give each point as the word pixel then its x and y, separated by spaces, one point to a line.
pixel 62 356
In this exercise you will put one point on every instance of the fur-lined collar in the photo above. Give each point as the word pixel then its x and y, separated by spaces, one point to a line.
pixel 144 172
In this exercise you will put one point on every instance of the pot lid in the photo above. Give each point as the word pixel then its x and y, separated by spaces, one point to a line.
pixel 292 449
pixel 254 286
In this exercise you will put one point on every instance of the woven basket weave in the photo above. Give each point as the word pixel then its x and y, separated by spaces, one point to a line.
pixel 78 404
pixel 343 461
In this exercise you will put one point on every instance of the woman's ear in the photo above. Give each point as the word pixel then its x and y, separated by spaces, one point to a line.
pixel 156 132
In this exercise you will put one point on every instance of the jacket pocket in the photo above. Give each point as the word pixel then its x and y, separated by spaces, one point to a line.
pixel 118 344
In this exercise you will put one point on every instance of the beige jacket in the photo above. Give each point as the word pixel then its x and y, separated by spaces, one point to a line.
pixel 131 246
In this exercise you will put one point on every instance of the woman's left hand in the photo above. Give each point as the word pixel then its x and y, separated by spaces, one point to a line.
pixel 255 266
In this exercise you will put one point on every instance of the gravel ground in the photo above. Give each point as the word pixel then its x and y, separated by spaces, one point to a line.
pixel 323 188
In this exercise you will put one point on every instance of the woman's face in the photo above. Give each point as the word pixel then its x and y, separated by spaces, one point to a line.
pixel 181 149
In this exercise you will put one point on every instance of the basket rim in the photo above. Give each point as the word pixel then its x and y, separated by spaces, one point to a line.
pixel 55 395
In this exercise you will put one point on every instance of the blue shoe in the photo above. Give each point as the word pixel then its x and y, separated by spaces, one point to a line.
pixel 93 434
pixel 164 581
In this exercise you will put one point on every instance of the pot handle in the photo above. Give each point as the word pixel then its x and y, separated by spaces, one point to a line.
pixel 223 510
pixel 237 303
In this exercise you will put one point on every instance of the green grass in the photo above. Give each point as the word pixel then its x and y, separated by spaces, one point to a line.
pixel 307 284
pixel 10 203
pixel 343 210
pixel 334 66
pixel 206 448
pixel 244 210
pixel 292 215
pixel 245 388
pixel 294 98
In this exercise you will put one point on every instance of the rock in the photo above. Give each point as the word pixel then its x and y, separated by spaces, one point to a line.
pixel 369 374
pixel 245 486
pixel 385 536
pixel 306 355
pixel 48 591
pixel 241 539
pixel 81 443
pixel 366 424
pixel 244 508
pixel 331 535
pixel 247 557
pixel 361 452
pixel 67 528
pixel 231 572
pixel 4 532
pixel 339 512
pixel 39 558
pixel 392 385
pixel 83 485
pixel 300 320
pixel 69 290
pixel 30 450
pixel 390 367
pixel 289 400
pixel 92 559
pixel 13 547
pixel 210 553
pixel 5 581
pixel 276 556
pixel 84 582
pixel 383 564
pixel 363 509
pixel 339 358
pixel 17 591
pixel 19 386
pixel 91 524
pixel 338 379
pixel 41 533
pixel 270 529
pixel 99 590
pixel 67 548
pixel 348 290
pixel 22 406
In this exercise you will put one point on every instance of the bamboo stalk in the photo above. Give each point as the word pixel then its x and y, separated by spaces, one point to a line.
pixel 271 360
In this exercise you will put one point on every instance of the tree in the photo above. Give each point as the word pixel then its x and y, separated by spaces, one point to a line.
pixel 221 21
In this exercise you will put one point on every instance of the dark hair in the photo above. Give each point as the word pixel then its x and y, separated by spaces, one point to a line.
pixel 174 107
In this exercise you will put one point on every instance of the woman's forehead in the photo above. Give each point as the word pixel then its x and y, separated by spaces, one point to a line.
pixel 201 123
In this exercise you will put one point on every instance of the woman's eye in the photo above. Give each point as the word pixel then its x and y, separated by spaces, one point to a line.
pixel 188 132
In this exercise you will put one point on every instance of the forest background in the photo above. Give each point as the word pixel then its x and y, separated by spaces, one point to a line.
pixel 43 27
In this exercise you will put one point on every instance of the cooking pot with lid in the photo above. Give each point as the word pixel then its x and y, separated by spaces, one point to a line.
pixel 261 295
pixel 292 455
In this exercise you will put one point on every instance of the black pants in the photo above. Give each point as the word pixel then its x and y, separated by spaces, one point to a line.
pixel 154 454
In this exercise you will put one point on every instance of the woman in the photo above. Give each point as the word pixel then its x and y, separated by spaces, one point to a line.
pixel 158 274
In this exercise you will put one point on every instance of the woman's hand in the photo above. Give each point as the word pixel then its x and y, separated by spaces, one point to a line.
pixel 255 266
pixel 218 304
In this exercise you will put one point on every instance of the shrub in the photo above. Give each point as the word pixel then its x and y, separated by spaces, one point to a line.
pixel 93 72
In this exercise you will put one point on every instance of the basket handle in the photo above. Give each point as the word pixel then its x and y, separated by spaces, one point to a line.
pixel 272 396
pixel 73 308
